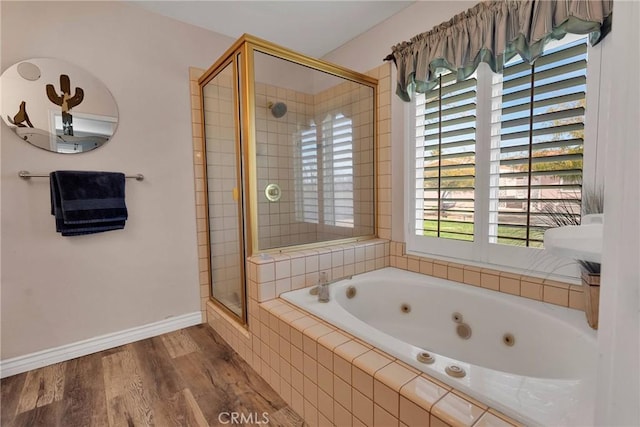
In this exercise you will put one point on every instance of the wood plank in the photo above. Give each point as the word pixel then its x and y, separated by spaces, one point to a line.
pixel 127 400
pixel 54 380
pixel 84 395
pixel 211 395
pixel 216 391
pixel 210 342
pixel 229 367
pixel 179 343
pixel 10 389
pixel 195 415
pixel 157 369
pixel 41 416
pixel 211 406
pixel 30 391
pixel 196 372
pixel 182 409
pixel 286 417
pixel 42 387
pixel 121 414
pixel 162 381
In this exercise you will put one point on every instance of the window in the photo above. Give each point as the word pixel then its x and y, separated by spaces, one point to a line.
pixel 445 159
pixel 324 173
pixel 497 155
pixel 538 128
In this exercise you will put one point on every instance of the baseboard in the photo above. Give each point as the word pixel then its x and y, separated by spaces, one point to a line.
pixel 50 356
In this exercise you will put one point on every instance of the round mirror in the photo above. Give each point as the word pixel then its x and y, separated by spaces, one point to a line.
pixel 57 106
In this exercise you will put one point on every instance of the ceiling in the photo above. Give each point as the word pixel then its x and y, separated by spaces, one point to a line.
pixel 314 28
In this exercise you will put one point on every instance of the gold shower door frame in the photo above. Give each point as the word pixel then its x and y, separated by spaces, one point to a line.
pixel 231 58
pixel 241 55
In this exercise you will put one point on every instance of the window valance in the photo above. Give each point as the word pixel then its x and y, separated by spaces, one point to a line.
pixel 494 32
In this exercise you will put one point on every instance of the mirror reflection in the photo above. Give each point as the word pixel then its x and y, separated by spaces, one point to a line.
pixel 57 106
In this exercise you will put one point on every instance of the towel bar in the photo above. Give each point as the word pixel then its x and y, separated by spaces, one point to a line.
pixel 27 175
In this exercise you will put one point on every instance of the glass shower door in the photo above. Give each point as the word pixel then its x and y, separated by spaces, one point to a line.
pixel 224 191
pixel 314 143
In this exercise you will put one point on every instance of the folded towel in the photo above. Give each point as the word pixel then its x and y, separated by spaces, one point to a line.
pixel 80 229
pixel 87 202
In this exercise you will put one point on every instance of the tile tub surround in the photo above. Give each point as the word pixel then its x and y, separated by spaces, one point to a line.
pixel 318 370
pixel 269 275
pixel 331 378
pixel 545 290
pixel 545 379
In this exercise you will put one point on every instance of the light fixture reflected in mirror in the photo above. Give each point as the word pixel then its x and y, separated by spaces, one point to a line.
pixel 57 106
pixel 29 71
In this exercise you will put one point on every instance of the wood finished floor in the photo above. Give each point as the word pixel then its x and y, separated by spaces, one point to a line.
pixel 183 378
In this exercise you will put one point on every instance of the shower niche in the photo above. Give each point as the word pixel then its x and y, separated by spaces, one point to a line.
pixel 289 145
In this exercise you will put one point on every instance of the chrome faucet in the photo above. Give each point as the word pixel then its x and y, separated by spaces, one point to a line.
pixel 322 288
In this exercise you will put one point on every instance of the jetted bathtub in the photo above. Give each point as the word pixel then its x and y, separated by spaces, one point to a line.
pixel 533 361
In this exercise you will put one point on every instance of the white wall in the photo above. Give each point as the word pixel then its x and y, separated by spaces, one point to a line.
pixel 618 402
pixel 619 334
pixel 58 290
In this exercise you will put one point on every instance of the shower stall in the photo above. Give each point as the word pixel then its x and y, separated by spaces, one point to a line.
pixel 289 154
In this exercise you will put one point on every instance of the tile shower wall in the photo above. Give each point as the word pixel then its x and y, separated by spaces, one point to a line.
pixel 383 150
pixel 275 157
pixel 354 101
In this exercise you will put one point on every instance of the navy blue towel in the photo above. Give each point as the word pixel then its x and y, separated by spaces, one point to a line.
pixel 87 202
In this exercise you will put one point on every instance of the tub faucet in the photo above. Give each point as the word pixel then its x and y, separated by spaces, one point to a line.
pixel 322 288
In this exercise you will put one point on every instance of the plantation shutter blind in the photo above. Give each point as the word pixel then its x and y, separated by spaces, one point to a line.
pixel 445 159
pixel 307 200
pixel 337 170
pixel 537 144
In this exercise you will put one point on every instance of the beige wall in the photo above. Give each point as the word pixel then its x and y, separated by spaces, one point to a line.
pixel 58 290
